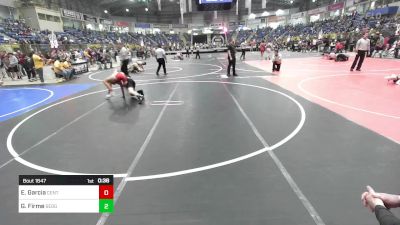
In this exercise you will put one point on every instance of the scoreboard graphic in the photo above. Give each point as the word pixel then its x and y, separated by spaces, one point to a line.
pixel 66 194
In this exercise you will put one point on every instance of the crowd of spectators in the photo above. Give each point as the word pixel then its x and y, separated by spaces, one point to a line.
pixel 339 34
pixel 17 65
pixel 19 32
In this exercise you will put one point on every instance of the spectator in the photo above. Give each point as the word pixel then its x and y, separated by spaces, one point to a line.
pixel 397 48
pixel 379 47
pixel 29 67
pixel 39 61
pixel 3 72
pixel 339 47
pixel 13 66
pixel 262 49
pixel 68 66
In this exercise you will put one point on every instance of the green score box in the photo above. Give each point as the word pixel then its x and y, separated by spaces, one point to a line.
pixel 106 205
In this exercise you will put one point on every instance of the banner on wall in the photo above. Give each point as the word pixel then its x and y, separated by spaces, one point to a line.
pixel 106 22
pixel 142 25
pixel 122 24
pixel 71 14
pixel 88 18
pixel 179 26
pixel 276 18
pixel 383 11
pixel 161 25
pixel 196 26
pixel 336 6
pixel 316 11
pixel 298 15
pixel 254 22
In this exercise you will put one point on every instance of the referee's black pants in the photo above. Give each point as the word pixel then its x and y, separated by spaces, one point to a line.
pixel 161 62
pixel 232 62
pixel 359 58
pixel 243 55
pixel 124 67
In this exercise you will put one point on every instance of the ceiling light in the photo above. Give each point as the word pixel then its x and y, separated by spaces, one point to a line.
pixel 127 10
pixel 146 9
pixel 291 1
pixel 106 11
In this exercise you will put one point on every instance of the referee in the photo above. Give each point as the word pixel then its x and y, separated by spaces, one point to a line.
pixel 161 59
pixel 231 59
pixel 362 48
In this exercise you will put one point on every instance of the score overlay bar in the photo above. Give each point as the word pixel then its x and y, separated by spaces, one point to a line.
pixel 66 194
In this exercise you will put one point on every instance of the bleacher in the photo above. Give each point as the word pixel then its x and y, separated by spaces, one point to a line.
pixel 20 32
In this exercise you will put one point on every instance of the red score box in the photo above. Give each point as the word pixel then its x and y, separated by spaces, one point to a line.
pixel 106 191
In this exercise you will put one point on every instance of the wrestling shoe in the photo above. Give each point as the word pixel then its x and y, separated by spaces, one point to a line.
pixel 391 77
pixel 108 96
pixel 140 99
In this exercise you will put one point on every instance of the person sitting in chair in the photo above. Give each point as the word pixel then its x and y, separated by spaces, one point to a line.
pixel 61 71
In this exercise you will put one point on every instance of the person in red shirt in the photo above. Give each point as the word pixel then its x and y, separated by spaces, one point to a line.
pixel 386 43
pixel 262 49
pixel 339 47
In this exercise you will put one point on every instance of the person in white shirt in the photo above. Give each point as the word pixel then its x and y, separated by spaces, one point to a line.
pixel 13 67
pixel 362 48
pixel 124 57
pixel 276 61
pixel 161 59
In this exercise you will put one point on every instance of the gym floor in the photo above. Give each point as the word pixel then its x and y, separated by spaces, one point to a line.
pixel 294 147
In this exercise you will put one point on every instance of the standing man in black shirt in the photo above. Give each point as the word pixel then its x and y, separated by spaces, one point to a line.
pixel 231 59
pixel 197 52
pixel 187 51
